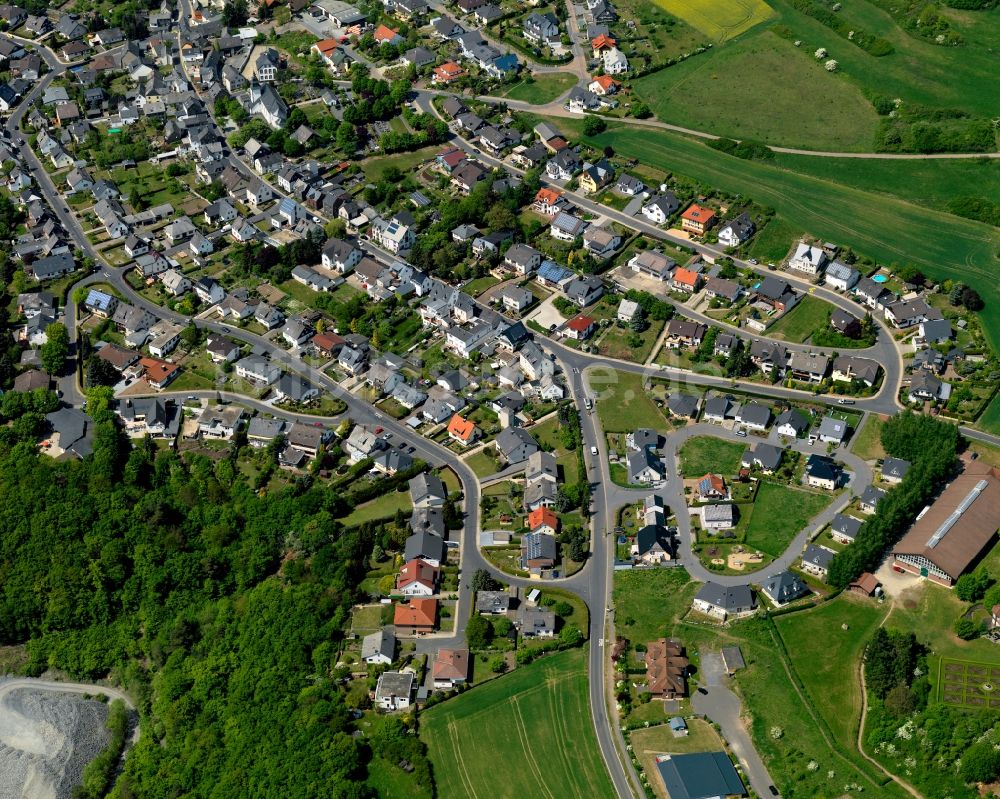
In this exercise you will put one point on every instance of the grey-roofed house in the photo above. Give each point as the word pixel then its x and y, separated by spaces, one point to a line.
pixel 816 560
pixel 765 457
pixel 718 516
pixel 72 431
pixel 515 445
pixel 845 528
pixel 644 467
pixel 754 416
pixel 683 406
pixel 822 472
pixel 538 551
pixel 426 546
pixel 717 409
pixel 294 389
pixel 700 775
pixel 493 603
pixel 379 647
pixel 427 491
pixel 869 499
pixel 832 430
pixel 894 469
pixel 784 587
pixel 791 423
pixel 725 601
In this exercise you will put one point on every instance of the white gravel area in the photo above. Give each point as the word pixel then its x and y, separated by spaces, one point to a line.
pixel 46 739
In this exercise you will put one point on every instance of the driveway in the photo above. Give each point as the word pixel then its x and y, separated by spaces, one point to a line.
pixel 724 707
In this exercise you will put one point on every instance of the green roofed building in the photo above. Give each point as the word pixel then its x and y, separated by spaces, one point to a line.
pixel 700 775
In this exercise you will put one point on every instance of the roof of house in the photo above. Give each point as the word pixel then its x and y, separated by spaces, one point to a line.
pixel 792 418
pixel 580 323
pixel 817 556
pixel 417 571
pixel 871 495
pixel 698 213
pixel 538 546
pixel 424 545
pixel 846 526
pixel 416 613
pixel 821 467
pixel 461 428
pixel 382 643
pixel 784 587
pixel 831 427
pixel 542 517
pixel 653 535
pixel 451 664
pixel 895 467
pixel 685 276
pixel 727 597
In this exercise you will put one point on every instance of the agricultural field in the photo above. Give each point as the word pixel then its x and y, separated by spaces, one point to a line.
pixel 888 229
pixel 798 324
pixel 541 88
pixel 778 102
pixel 827 657
pixel 622 402
pixel 779 514
pixel 703 454
pixel 519 725
pixel 720 19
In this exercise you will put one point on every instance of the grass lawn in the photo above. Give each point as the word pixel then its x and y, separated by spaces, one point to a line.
pixel 703 454
pixel 376 167
pixel 614 344
pixel 827 657
pixel 536 720
pixel 542 88
pixel 649 742
pixel 799 323
pixel 868 443
pixel 366 619
pixel 479 285
pixel 990 420
pixel 622 402
pixel 389 781
pixel 779 514
pixel 873 224
pixel 482 464
pixel 380 508
pixel 759 60
pixel 648 601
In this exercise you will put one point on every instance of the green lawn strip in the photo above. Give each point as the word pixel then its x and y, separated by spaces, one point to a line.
pixel 479 285
pixel 536 721
pixel 780 513
pixel 542 88
pixel 799 323
pixel 882 227
pixel 381 508
pixel 622 403
pixel 990 420
pixel 827 656
pixel 376 167
pixel 703 454
pixel 868 443
pixel 482 464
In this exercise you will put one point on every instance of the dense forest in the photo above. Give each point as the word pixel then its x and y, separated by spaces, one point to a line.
pixel 219 608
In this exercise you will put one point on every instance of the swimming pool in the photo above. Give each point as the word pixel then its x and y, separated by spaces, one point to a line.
pixel 880 278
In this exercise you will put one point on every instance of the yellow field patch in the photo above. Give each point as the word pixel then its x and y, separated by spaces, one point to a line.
pixel 719 19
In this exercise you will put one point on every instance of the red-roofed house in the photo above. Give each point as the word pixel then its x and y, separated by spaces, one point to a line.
pixel 385 35
pixel 450 159
pixel 447 72
pixel 697 219
pixel 462 430
pixel 549 202
pixel 602 43
pixel 580 327
pixel 417 578
pixel 451 667
pixel 685 280
pixel 603 85
pixel 325 48
pixel 159 373
pixel 416 616
pixel 543 520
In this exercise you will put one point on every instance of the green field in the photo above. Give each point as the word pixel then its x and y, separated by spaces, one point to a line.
pixel 528 733
pixel 885 228
pixel 380 508
pixel 542 88
pixel 376 167
pixel 720 19
pixel 990 420
pixel 778 80
pixel 779 514
pixel 703 454
pixel 868 443
pixel 827 657
pixel 799 323
pixel 622 403
pixel 647 602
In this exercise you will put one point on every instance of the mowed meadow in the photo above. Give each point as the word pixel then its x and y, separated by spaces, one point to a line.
pixel 528 733
pixel 756 83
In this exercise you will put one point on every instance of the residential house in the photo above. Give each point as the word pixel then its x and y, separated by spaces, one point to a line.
pixel 653 545
pixel 600 241
pixel 754 416
pixel 894 470
pixel 686 281
pixel 653 264
pixel 725 602
pixel 765 457
pixel 925 387
pixel 596 176
pixel 775 293
pixel 847 368
pixel 543 520
pixel 379 648
pixel 580 327
pixel 515 445
pixel 666 669
pixel 808 258
pixel 394 690
pixel 908 313
pixel 768 356
pixel 808 367
pixel 258 369
pixel 660 207
pixel 644 466
pixel 462 430
pixel 538 551
pixel 697 220
pixel 816 560
pixel 718 516
pixel 791 423
pixel 822 472
pixel 869 499
pixel 844 529
pixel 451 668
pixel 840 276
pixel 417 578
pixel 584 290
pixel 736 231
pixel 784 587
pixel 718 288
pixel 684 333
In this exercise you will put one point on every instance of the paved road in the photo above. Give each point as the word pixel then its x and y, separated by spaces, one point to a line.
pixel 724 707
pixel 859 476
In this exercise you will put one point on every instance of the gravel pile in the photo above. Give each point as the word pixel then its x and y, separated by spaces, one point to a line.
pixel 46 739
